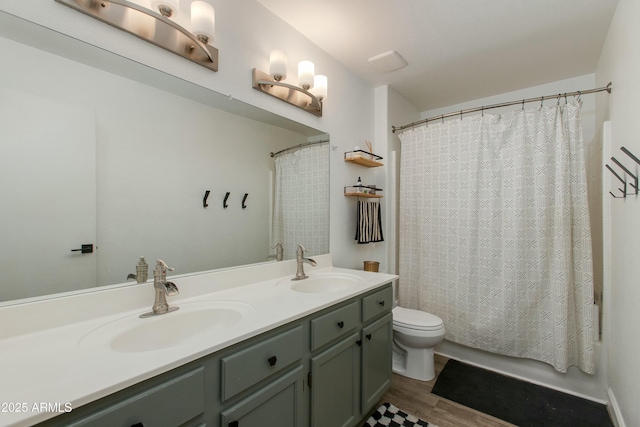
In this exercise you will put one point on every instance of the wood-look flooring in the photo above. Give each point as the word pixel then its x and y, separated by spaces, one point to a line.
pixel 415 398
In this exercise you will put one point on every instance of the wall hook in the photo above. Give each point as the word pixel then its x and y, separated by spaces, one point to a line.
pixel 628 172
pixel 204 200
pixel 224 204
pixel 624 183
pixel 628 153
pixel 244 199
pixel 617 197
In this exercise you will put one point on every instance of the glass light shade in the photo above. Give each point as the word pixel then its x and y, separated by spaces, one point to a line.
pixel 305 74
pixel 173 5
pixel 278 65
pixel 320 87
pixel 203 21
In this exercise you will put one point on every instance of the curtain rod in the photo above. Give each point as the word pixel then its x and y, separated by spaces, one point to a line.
pixel 504 104
pixel 272 154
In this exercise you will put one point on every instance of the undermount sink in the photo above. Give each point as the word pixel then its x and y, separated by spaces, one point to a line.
pixel 325 283
pixel 133 334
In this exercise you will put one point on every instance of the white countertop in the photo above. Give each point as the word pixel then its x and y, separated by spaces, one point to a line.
pixel 43 362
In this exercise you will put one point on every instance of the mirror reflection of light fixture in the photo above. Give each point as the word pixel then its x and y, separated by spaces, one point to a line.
pixel 155 26
pixel 308 95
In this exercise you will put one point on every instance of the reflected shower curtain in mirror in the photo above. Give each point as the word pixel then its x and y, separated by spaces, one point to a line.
pixel 494 233
pixel 301 200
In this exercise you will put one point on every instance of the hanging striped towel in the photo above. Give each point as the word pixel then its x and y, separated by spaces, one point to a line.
pixel 369 222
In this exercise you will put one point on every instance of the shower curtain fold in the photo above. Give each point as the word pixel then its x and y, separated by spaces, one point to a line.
pixel 494 233
pixel 301 200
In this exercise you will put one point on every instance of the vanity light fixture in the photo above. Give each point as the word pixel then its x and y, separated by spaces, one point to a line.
pixel 158 26
pixel 308 95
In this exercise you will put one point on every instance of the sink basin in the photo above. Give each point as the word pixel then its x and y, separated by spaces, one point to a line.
pixel 325 283
pixel 192 321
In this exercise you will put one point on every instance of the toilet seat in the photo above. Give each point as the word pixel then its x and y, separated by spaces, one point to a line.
pixel 415 319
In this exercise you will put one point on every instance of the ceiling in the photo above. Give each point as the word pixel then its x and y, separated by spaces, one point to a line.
pixel 457 50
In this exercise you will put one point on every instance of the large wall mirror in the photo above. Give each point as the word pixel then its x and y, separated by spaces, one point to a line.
pixel 99 150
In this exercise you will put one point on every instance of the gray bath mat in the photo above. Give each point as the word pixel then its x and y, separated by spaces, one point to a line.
pixel 516 401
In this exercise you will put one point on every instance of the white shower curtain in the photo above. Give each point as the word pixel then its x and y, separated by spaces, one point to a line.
pixel 494 233
pixel 301 200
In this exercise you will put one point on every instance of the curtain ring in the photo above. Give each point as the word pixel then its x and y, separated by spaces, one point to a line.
pixel 460 115
pixel 541 101
pixel 579 95
pixel 442 118
pixel 559 96
pixel 523 105
pixel 565 98
pixel 483 111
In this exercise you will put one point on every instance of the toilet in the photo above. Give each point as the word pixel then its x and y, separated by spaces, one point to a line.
pixel 415 334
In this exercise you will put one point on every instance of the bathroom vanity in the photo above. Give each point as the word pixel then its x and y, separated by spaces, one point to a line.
pixel 315 352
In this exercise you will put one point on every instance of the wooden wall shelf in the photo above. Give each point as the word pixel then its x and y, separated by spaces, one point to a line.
pixel 352 191
pixel 365 195
pixel 363 158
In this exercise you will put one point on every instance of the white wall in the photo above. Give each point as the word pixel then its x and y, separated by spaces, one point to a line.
pixel 391 109
pixel 245 34
pixel 620 64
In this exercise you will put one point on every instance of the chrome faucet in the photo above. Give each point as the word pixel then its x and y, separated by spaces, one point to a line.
pixel 301 260
pixel 142 272
pixel 162 288
pixel 279 256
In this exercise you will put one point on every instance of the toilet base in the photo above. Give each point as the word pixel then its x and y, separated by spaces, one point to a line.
pixel 416 363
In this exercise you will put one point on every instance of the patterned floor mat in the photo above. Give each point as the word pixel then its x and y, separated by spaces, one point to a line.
pixel 389 415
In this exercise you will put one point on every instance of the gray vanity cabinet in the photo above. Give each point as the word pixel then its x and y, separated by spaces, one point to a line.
pixel 328 369
pixel 175 401
pixel 267 376
pixel 376 360
pixel 349 377
pixel 278 404
pixel 334 385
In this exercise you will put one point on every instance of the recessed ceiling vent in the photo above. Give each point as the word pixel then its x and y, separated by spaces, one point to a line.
pixel 388 61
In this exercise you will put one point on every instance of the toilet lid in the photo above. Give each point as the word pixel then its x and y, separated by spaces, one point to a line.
pixel 415 319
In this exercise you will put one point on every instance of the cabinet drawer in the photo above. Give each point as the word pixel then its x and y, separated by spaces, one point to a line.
pixel 378 303
pixel 245 368
pixel 332 325
pixel 278 404
pixel 173 402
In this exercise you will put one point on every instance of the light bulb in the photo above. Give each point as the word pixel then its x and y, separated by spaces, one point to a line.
pixel 320 87
pixel 305 74
pixel 278 65
pixel 203 21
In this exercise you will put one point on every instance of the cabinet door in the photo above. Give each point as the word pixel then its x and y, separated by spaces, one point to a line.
pixel 376 360
pixel 178 401
pixel 335 378
pixel 278 404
